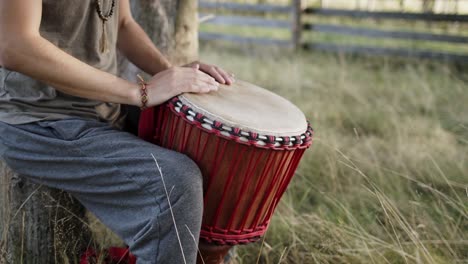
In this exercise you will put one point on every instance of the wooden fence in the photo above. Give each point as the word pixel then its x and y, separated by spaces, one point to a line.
pixel 294 23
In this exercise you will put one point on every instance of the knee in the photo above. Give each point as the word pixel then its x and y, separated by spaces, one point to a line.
pixel 189 172
pixel 185 179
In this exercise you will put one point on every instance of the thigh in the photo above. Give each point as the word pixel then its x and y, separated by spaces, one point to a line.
pixel 89 153
pixel 111 172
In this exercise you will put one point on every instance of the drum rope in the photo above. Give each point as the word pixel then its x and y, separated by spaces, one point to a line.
pixel 246 216
pixel 250 169
pixel 258 184
pixel 216 168
pixel 237 154
pixel 270 188
pixel 274 142
pixel 291 172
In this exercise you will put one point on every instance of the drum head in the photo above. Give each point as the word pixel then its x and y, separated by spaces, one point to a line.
pixel 250 108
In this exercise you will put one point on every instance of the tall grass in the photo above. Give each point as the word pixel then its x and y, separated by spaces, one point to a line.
pixel 386 180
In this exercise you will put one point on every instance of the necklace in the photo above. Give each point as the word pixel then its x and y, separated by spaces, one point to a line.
pixel 104 18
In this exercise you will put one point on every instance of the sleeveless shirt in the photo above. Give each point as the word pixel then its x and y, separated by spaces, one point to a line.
pixel 75 27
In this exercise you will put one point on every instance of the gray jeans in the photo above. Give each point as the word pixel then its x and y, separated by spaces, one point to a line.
pixel 113 175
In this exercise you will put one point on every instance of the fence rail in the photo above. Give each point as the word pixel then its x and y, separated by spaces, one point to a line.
pixel 386 15
pixel 377 33
pixel 243 40
pixel 297 27
pixel 245 7
pixel 247 21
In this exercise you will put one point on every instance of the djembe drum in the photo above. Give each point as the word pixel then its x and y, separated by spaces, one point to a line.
pixel 247 142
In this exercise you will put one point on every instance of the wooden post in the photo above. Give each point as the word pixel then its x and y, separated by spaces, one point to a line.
pixel 296 24
pixel 39 225
pixel 428 6
pixel 171 25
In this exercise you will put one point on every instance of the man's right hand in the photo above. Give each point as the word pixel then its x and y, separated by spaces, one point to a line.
pixel 177 80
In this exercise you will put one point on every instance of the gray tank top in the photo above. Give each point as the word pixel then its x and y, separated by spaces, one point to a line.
pixel 75 27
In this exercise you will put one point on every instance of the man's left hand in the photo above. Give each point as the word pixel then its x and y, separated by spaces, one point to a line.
pixel 216 72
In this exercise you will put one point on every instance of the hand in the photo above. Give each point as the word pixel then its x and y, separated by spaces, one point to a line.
pixel 176 80
pixel 219 74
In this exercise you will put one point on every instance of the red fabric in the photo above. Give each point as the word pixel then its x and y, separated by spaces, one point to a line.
pixel 146 126
pixel 113 255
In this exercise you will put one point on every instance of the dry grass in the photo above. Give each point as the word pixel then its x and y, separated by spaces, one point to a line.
pixel 386 180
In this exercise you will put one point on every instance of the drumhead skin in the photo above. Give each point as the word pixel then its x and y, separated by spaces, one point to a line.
pixel 250 108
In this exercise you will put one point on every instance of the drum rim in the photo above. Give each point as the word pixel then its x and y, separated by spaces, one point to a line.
pixel 301 141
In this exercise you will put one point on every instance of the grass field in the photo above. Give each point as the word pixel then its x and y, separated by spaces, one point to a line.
pixel 386 180
pixel 308 36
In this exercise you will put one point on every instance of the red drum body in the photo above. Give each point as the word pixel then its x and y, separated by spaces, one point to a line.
pixel 245 173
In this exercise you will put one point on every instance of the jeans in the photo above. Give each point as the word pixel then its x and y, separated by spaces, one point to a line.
pixel 113 174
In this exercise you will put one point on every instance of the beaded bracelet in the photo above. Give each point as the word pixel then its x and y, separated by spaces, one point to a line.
pixel 143 92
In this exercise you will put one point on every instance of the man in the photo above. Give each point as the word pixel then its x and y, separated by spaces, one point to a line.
pixel 60 106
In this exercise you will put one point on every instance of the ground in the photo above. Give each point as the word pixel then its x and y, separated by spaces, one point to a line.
pixel 386 179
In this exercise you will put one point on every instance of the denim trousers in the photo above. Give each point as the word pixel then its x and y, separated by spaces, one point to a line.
pixel 113 174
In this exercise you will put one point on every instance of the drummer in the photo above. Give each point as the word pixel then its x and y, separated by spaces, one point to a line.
pixel 60 108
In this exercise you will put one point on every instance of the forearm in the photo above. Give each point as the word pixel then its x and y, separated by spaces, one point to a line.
pixel 40 59
pixel 135 44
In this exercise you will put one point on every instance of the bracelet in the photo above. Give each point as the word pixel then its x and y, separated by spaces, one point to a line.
pixel 143 92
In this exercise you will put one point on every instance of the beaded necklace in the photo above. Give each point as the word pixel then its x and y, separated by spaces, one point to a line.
pixel 104 18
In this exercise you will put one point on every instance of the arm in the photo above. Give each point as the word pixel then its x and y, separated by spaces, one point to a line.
pixel 140 50
pixel 135 44
pixel 22 49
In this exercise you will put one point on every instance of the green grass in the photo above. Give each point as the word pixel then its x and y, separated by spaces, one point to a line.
pixel 284 34
pixel 445 28
pixel 386 179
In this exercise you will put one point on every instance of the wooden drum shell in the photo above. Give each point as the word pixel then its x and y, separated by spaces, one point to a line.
pixel 243 181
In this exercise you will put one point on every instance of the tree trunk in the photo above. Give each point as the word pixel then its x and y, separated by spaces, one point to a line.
pixel 428 6
pixel 173 27
pixel 38 225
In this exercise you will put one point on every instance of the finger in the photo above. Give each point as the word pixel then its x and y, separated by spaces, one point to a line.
pixel 202 88
pixel 228 77
pixel 209 85
pixel 194 66
pixel 192 76
pixel 206 77
pixel 213 72
pixel 200 85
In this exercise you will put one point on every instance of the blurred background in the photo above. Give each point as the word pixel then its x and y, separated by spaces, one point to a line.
pixel 385 85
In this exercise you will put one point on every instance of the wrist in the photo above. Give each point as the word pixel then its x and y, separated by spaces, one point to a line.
pixel 135 94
